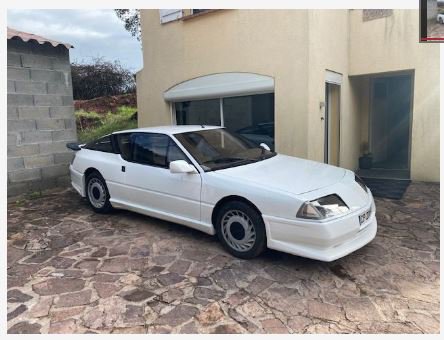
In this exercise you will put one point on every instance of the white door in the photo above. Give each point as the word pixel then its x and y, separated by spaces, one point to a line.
pixel 150 185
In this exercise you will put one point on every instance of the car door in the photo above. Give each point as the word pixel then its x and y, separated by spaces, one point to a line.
pixel 149 184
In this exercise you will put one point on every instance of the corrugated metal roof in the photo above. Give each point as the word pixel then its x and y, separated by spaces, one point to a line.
pixel 12 33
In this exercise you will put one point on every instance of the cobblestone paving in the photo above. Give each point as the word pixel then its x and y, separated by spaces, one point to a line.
pixel 73 271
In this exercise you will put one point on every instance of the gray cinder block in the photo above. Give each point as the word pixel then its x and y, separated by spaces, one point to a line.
pixel 61 89
pixel 14 59
pixel 24 175
pixel 67 100
pixel 70 124
pixel 65 135
pixel 20 99
pixel 23 150
pixel 63 158
pixel 35 112
pixel 15 163
pixel 38 161
pixel 30 87
pixel 61 111
pixel 18 73
pixel 47 75
pixel 21 125
pixel 30 137
pixel 53 147
pixel 15 189
pixel 55 171
pixel 36 61
pixel 13 112
pixel 11 86
pixel 50 124
pixel 48 100
pixel 13 138
pixel 40 116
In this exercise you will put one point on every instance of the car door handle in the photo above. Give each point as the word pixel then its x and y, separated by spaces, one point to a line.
pixel 123 168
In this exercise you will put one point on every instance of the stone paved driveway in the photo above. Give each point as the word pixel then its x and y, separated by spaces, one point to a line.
pixel 70 270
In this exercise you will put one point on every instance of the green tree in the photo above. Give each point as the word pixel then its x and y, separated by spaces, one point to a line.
pixel 131 19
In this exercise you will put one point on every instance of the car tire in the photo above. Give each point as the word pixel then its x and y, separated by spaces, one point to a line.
pixel 241 230
pixel 97 193
pixel 441 21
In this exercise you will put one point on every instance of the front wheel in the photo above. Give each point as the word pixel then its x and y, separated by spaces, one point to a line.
pixel 97 193
pixel 441 21
pixel 241 230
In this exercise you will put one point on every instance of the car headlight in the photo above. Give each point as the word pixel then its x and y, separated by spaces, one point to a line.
pixel 361 183
pixel 324 207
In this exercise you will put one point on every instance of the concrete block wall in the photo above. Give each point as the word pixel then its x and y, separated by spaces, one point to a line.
pixel 40 116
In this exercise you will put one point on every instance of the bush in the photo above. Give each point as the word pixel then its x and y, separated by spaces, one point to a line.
pixel 99 78
pixel 102 124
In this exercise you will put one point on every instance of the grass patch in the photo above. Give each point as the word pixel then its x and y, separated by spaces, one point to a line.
pixel 102 124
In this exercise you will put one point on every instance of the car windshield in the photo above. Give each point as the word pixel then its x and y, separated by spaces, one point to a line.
pixel 217 149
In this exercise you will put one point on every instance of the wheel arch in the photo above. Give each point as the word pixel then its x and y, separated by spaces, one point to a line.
pixel 231 198
pixel 87 172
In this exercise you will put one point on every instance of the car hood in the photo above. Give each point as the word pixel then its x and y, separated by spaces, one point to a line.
pixel 284 173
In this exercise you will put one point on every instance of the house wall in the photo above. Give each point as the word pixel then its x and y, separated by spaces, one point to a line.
pixel 391 44
pixel 296 47
pixel 229 41
pixel 329 51
pixel 40 116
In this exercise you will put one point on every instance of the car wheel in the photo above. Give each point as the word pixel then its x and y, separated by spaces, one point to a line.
pixel 241 230
pixel 97 193
pixel 441 21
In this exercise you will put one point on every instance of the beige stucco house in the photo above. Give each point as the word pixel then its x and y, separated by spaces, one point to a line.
pixel 326 85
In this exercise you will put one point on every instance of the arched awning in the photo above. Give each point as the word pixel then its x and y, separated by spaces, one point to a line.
pixel 220 85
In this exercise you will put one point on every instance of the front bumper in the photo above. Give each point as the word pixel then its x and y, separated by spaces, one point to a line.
pixel 324 241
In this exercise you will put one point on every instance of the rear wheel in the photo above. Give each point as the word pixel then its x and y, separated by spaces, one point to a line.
pixel 97 193
pixel 241 230
pixel 441 21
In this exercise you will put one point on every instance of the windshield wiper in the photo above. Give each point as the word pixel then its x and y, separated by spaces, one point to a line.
pixel 224 160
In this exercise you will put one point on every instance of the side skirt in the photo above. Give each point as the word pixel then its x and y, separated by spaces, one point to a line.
pixel 206 228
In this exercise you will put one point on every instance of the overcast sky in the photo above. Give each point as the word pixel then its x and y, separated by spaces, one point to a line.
pixel 94 33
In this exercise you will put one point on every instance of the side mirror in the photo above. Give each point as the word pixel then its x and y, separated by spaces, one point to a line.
pixel 264 146
pixel 181 167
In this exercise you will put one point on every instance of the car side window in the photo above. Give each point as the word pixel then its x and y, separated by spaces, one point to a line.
pixel 124 143
pixel 103 144
pixel 175 153
pixel 149 148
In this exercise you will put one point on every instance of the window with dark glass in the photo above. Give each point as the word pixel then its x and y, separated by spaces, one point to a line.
pixel 153 149
pixel 196 112
pixel 174 153
pixel 123 141
pixel 252 117
pixel 195 11
pixel 102 144
pixel 149 148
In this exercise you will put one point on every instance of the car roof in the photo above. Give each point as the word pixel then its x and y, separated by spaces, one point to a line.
pixel 171 129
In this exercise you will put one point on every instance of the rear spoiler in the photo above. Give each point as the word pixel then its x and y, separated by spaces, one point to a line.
pixel 74 146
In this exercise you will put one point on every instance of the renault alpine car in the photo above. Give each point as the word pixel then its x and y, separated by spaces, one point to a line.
pixel 218 182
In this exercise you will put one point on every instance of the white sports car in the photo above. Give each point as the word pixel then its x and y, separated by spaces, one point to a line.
pixel 220 183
